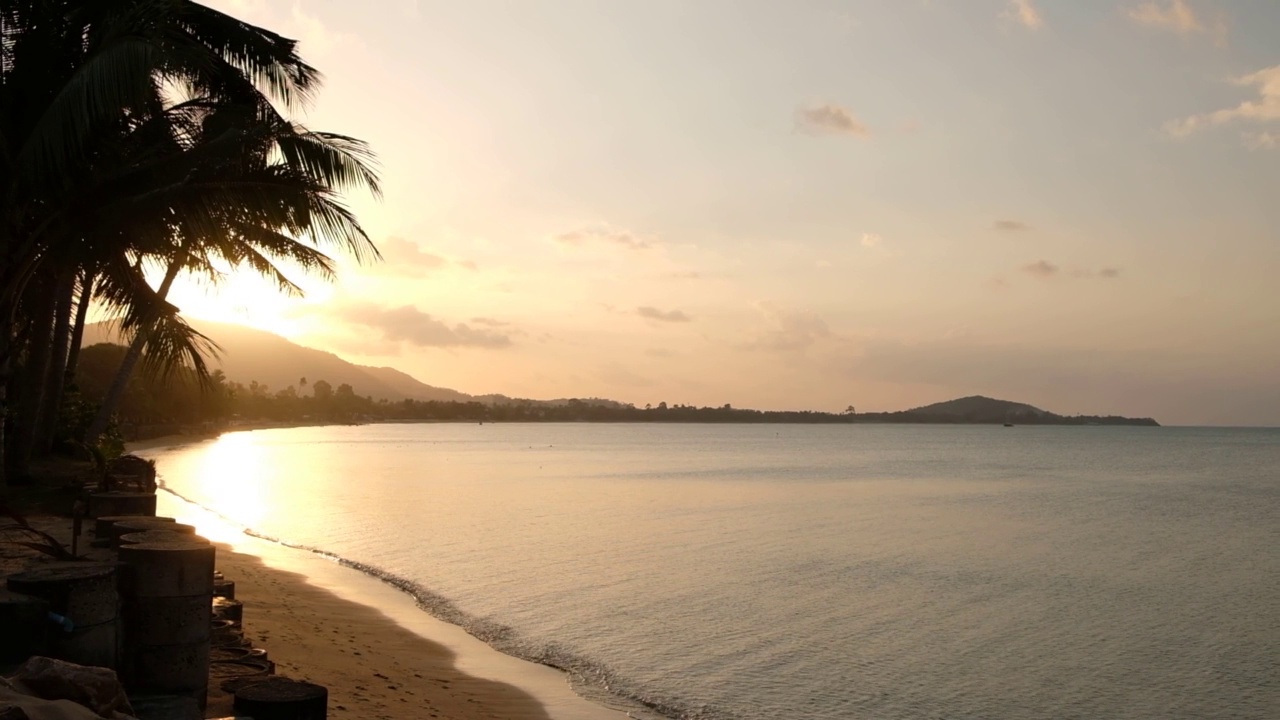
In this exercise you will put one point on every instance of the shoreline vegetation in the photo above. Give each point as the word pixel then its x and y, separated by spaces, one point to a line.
pixel 152 407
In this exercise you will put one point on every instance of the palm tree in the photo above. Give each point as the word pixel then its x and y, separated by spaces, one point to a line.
pixel 266 183
pixel 88 186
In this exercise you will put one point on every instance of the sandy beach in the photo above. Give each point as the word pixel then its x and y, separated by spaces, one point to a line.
pixel 373 667
pixel 377 652
pixel 379 655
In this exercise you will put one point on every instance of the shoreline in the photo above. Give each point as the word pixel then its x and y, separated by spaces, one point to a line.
pixel 380 655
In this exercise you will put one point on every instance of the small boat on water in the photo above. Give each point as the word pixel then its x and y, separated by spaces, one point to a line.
pixel 1008 424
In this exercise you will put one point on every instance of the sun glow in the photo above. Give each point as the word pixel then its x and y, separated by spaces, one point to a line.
pixel 232 474
pixel 243 298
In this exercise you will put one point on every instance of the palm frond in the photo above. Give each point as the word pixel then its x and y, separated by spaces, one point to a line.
pixel 267 59
pixel 337 161
pixel 171 345
pixel 118 76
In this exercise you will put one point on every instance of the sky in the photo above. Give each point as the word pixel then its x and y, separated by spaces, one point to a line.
pixel 804 205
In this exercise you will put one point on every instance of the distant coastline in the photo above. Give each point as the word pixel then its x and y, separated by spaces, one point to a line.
pixel 161 436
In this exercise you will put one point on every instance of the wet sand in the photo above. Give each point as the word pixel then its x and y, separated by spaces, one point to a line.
pixel 380 656
pixel 372 667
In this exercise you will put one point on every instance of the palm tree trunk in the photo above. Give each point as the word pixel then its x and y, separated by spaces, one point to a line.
pixel 51 404
pixel 130 361
pixel 39 350
pixel 77 331
pixel 6 346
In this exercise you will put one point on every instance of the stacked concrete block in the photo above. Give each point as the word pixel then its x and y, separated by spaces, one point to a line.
pixel 168 614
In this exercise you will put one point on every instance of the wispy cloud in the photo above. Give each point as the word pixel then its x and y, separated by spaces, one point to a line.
pixel 830 119
pixel 1011 226
pixel 1263 109
pixel 405 257
pixel 1176 16
pixel 789 331
pixel 871 240
pixel 1046 270
pixel 1266 140
pixel 602 235
pixel 1042 269
pixel 671 316
pixel 410 325
pixel 1025 13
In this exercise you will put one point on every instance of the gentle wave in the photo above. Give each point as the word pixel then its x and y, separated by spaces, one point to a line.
pixel 592 680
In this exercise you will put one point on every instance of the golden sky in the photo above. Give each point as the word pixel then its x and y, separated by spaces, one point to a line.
pixel 805 205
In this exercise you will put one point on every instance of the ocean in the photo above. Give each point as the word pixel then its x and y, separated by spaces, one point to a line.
pixel 744 572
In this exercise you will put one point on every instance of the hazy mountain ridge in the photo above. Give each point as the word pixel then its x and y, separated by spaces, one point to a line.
pixel 249 355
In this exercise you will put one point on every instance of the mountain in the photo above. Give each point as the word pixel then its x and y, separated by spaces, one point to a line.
pixel 977 406
pixel 977 409
pixel 249 355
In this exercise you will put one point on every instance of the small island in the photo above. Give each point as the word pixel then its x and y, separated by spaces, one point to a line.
pixel 977 409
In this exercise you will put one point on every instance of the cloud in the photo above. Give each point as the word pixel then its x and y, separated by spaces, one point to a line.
pixel 788 331
pixel 399 253
pixel 1025 13
pixel 830 119
pixel 1045 270
pixel 602 235
pixel 405 257
pixel 871 240
pixel 1011 225
pixel 653 313
pixel 489 322
pixel 1266 140
pixel 1042 269
pixel 1264 109
pixel 411 325
pixel 1175 16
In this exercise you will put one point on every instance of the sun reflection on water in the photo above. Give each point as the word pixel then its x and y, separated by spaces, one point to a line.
pixel 231 475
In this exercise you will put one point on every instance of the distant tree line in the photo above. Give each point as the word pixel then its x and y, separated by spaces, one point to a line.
pixel 153 406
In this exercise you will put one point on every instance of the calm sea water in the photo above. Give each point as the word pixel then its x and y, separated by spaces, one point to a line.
pixel 750 572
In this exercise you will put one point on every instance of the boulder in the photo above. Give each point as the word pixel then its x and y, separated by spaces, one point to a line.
pixel 95 688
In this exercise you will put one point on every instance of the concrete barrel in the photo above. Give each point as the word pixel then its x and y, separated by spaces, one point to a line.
pixel 102 525
pixel 225 633
pixel 235 654
pixel 102 504
pixel 279 698
pixel 231 675
pixel 157 536
pixel 86 594
pixel 228 609
pixel 24 625
pixel 168 615
pixel 224 589
pixel 124 527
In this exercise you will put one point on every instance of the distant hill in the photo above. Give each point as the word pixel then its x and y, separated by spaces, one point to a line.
pixel 977 406
pixel 977 409
pixel 254 355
